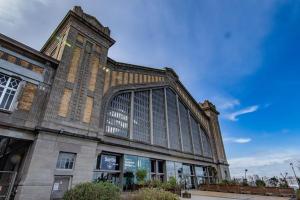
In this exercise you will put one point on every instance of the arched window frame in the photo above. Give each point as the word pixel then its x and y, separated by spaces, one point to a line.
pixel 130 126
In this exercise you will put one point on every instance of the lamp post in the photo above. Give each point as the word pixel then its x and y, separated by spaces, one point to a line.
pixel 246 170
pixel 298 181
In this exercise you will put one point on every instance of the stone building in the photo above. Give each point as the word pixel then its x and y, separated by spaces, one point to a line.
pixel 70 114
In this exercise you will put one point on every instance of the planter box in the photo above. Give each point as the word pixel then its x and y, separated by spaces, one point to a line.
pixel 234 189
pixel 186 195
pixel 245 189
pixel 272 191
pixel 212 187
pixel 258 190
pixel 222 188
pixel 287 192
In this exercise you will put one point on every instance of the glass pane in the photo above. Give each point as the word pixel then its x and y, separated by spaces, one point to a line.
pixel 196 136
pixel 160 166
pixel 141 119
pixel 3 79
pixel 178 171
pixel 171 172
pixel 199 171
pixel 14 83
pixel 159 118
pixel 144 163
pixel 130 163
pixel 206 145
pixel 110 162
pixel 185 129
pixel 117 116
pixel 65 161
pixel 173 120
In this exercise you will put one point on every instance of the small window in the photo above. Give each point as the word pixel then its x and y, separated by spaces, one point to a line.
pixel 65 160
pixel 8 90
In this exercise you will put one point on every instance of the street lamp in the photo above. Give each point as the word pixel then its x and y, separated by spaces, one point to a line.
pixel 298 181
pixel 246 170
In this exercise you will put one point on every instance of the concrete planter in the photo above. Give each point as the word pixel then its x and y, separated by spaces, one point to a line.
pixel 287 192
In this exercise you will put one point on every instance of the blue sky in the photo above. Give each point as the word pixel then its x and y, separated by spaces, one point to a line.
pixel 241 55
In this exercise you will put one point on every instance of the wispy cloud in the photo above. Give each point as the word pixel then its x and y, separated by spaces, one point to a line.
pixel 266 163
pixel 238 140
pixel 234 116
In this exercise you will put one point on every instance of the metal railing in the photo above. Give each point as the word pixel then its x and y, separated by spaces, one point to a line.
pixel 7 180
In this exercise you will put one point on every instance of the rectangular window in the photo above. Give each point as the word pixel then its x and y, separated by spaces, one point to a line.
pixel 65 160
pixel 8 90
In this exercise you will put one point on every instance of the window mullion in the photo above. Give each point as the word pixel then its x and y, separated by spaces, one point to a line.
pixel 190 132
pixel 166 117
pixel 178 114
pixel 151 117
pixel 201 140
pixel 131 116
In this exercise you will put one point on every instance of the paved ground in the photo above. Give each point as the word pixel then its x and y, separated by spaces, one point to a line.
pixel 205 195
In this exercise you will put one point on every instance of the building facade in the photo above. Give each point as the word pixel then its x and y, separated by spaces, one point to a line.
pixel 71 114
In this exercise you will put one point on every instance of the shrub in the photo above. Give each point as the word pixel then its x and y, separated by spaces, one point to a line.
pixel 155 183
pixel 141 175
pixel 260 183
pixel 283 183
pixel 273 181
pixel 154 194
pixel 224 182
pixel 93 191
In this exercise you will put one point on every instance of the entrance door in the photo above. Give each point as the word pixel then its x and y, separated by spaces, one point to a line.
pixel 7 179
pixel 60 186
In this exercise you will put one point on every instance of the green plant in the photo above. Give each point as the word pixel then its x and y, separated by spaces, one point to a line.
pixel 154 194
pixel 298 194
pixel 141 175
pixel 93 191
pixel 273 181
pixel 260 183
pixel 283 183
pixel 224 182
pixel 155 183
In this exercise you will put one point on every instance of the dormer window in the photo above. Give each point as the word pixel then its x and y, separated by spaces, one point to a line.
pixel 8 90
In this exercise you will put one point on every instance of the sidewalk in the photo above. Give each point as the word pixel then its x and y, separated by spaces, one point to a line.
pixel 205 195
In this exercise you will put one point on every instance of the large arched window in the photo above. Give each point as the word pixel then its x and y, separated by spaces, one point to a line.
pixel 158 117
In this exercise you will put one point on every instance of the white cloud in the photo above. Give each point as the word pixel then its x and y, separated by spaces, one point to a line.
pixel 238 140
pixel 265 163
pixel 233 116
pixel 12 12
